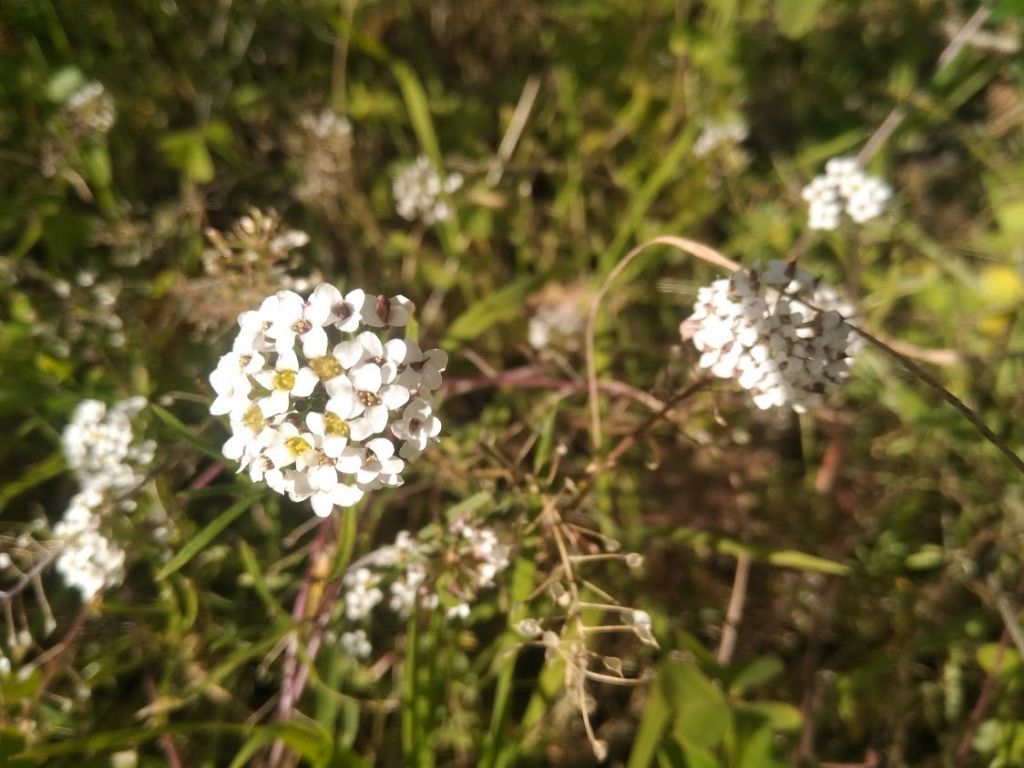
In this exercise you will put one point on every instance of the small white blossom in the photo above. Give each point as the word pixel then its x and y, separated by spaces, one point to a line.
pixel 356 644
pixel 844 186
pixel 317 394
pixel 420 192
pixel 92 107
pixel 774 332
pixel 715 135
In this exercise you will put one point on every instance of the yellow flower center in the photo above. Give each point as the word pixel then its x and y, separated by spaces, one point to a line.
pixel 253 418
pixel 284 380
pixel 326 367
pixel 335 425
pixel 368 398
pixel 297 445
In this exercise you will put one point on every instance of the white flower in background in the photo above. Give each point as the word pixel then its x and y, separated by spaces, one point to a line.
pixel 356 644
pixel 108 461
pixel 772 332
pixel 562 323
pixel 321 401
pixel 101 449
pixel 88 561
pixel 92 107
pixel 420 192
pixel 715 135
pixel 844 186
pixel 466 558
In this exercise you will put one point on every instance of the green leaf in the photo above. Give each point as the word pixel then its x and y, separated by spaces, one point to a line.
pixel 797 17
pixel 801 561
pixel 34 475
pixel 651 731
pixel 779 715
pixel 419 112
pixel 701 712
pixel 175 424
pixel 202 539
pixel 187 151
pixel 760 670
pixel 65 81
pixel 310 740
pixel 927 558
pixel 467 507
pixel 501 305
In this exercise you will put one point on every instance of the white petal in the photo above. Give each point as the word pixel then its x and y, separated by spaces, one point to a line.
pixel 315 422
pixel 394 396
pixel 314 342
pixel 367 378
pixel 396 350
pixel 323 503
pixel 346 495
pixel 381 447
pixel 349 353
pixel 276 403
pixel 305 383
pixel 287 360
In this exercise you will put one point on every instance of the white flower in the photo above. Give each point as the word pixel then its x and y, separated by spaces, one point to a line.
pixel 287 380
pixel 88 560
pixel 420 192
pixel 356 644
pixel 844 186
pixel 715 135
pixel 775 332
pixel 314 393
pixel 417 429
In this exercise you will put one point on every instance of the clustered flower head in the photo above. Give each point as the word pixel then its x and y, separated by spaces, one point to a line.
pixel 102 451
pixel 322 404
pixel 447 569
pixel 91 107
pixel 420 192
pixel 844 186
pixel 768 330
pixel 101 448
pixel 323 145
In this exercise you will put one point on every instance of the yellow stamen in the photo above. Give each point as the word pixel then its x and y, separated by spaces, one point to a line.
pixel 326 367
pixel 284 380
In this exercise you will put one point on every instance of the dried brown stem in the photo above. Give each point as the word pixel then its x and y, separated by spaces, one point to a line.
pixel 734 613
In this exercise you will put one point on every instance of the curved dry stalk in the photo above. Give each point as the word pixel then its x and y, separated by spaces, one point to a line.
pixel 691 247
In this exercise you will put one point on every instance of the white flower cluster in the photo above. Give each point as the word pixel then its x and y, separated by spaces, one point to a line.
pixel 92 107
pixel 101 448
pixel 844 185
pixel 410 572
pixel 419 191
pixel 715 135
pixel 88 560
pixel 560 324
pixel 107 460
pixel 768 330
pixel 323 406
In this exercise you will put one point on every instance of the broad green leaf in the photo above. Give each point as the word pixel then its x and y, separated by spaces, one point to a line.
pixel 656 718
pixel 701 712
pixel 202 539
